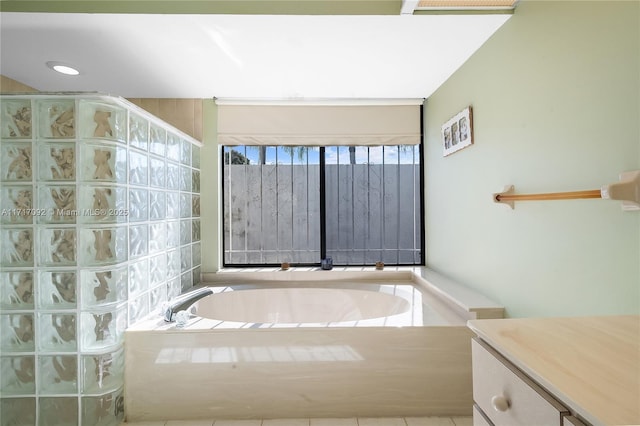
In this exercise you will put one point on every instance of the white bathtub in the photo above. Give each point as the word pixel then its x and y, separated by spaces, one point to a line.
pixel 305 348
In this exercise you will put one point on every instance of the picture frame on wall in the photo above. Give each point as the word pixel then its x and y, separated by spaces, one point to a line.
pixel 457 132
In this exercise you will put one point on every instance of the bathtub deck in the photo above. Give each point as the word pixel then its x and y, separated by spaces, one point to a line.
pixel 419 366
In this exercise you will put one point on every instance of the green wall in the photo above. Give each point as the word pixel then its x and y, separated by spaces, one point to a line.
pixel 211 233
pixel 249 7
pixel 555 95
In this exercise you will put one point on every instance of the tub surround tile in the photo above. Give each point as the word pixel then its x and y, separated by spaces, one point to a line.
pixel 255 373
pixel 238 423
pixel 189 423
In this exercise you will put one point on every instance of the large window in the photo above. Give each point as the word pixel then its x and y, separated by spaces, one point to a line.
pixel 300 204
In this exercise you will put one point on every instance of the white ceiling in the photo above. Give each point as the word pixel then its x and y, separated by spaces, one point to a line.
pixel 242 56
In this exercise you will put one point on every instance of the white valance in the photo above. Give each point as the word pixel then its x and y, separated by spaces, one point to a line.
pixel 317 124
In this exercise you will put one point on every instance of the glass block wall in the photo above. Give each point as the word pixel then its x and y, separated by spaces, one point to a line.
pixel 99 225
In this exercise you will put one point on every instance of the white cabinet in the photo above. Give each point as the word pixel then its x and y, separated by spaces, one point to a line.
pixel 572 371
pixel 506 396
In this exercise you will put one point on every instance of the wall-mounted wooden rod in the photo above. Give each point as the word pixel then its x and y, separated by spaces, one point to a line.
pixel 572 195
pixel 626 190
pixel 508 197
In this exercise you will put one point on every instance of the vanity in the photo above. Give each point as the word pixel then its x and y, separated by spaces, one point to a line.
pixel 556 371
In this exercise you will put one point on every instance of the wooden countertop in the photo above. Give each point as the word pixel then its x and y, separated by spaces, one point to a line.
pixel 590 364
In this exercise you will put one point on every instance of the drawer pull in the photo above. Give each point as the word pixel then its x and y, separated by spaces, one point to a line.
pixel 500 403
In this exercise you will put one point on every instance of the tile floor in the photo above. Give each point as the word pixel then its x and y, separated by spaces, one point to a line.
pixel 392 421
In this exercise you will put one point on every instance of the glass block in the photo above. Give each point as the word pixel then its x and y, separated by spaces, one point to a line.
pixel 16 290
pixel 57 246
pixel 57 161
pixel 18 374
pixel 18 411
pixel 173 176
pixel 103 329
pixel 157 237
pixel 17 205
pixel 101 120
pixel 103 287
pixel 57 290
pixel 185 179
pixel 185 232
pixel 196 255
pixel 103 410
pixel 173 234
pixel 195 156
pixel 173 263
pixel 195 230
pixel 103 204
pixel 17 332
pixel 195 205
pixel 185 153
pixel 16 162
pixel 138 277
pixel 138 168
pixel 138 307
pixel 138 205
pixel 185 258
pixel 58 374
pixel 57 332
pixel 158 269
pixel 57 118
pixel 138 132
pixel 173 147
pixel 105 163
pixel 138 241
pixel 103 372
pixel 185 205
pixel 196 276
pixel 17 247
pixel 57 204
pixel 157 177
pixel 16 119
pixel 157 297
pixel 58 411
pixel 173 205
pixel 157 205
pixel 174 288
pixel 195 181
pixel 157 140
pixel 103 246
pixel 186 281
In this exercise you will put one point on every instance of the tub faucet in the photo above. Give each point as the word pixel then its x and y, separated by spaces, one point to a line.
pixel 183 302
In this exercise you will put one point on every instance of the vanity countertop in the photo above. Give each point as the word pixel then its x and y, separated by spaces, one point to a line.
pixel 591 364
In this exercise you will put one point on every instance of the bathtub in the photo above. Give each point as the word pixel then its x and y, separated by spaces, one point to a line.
pixel 349 346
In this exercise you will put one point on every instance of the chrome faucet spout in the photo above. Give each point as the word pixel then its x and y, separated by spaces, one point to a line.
pixel 184 302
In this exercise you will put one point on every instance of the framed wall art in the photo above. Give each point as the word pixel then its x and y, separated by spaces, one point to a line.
pixel 457 132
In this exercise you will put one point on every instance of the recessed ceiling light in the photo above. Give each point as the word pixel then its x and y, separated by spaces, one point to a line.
pixel 62 68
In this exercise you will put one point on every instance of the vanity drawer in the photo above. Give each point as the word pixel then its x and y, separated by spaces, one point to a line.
pixel 506 396
pixel 478 418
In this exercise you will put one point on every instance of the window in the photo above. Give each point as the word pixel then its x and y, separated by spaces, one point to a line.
pixel 300 204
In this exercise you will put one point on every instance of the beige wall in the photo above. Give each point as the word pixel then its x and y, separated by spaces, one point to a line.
pixel 183 114
pixel 8 85
pixel 556 98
